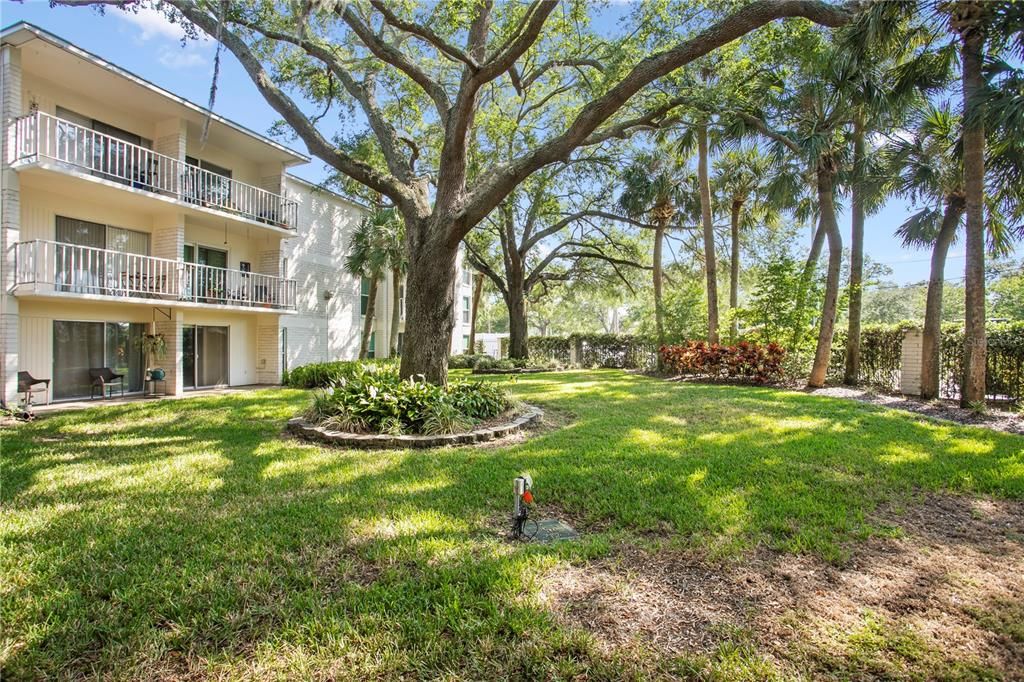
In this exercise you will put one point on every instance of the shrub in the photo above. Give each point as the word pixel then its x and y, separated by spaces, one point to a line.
pixel 466 360
pixel 745 360
pixel 327 374
pixel 373 398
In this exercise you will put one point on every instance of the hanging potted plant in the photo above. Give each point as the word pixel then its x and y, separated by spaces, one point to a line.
pixel 155 346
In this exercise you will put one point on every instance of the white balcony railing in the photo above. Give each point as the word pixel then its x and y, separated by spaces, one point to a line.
pixel 42 136
pixel 85 270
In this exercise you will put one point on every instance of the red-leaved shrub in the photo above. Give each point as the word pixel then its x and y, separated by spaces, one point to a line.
pixel 745 360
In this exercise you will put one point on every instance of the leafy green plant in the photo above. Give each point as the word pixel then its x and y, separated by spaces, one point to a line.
pixel 373 398
pixel 443 417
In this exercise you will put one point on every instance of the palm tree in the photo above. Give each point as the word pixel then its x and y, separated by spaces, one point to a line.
pixel 377 248
pixel 743 177
pixel 653 189
pixel 926 168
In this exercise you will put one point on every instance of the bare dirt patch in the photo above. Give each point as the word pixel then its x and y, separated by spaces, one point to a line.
pixel 945 596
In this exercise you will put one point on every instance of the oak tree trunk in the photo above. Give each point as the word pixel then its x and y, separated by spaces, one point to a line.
pixel 396 311
pixel 734 267
pixel 830 226
pixel 517 325
pixel 851 374
pixel 710 266
pixel 931 339
pixel 429 306
pixel 478 287
pixel 972 390
pixel 371 308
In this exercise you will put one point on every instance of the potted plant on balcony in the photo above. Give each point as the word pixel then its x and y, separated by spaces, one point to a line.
pixel 154 346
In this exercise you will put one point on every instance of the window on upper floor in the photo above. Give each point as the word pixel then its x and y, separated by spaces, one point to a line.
pixel 213 186
pixel 465 310
pixel 364 295
pixel 467 277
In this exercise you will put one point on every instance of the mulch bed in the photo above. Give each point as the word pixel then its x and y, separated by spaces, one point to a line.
pixel 486 432
pixel 953 580
pixel 991 418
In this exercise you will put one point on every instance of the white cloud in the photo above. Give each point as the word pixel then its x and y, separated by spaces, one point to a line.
pixel 151 24
pixel 187 57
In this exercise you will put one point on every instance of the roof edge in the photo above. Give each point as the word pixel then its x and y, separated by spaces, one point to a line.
pixel 320 188
pixel 54 39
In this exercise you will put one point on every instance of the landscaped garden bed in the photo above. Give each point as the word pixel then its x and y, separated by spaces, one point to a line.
pixel 501 427
pixel 369 405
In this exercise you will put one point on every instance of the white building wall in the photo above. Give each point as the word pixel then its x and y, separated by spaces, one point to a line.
pixel 327 323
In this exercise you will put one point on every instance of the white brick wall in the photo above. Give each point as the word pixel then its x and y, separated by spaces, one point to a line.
pixel 172 360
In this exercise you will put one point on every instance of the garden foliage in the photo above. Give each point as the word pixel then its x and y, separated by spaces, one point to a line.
pixel 373 398
pixel 745 360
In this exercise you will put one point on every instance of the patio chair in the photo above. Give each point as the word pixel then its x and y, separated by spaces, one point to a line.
pixel 104 378
pixel 27 384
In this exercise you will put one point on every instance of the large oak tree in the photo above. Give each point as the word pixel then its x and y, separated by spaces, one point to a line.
pixel 430 70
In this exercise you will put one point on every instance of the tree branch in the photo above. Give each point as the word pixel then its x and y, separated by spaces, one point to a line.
pixel 286 107
pixel 529 79
pixel 426 34
pixel 502 179
pixel 391 55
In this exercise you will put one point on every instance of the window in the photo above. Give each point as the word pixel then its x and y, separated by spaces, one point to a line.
pixel 81 346
pixel 109 153
pixel 371 352
pixel 465 310
pixel 364 295
pixel 81 265
pixel 467 277
pixel 465 343
pixel 213 186
pixel 401 301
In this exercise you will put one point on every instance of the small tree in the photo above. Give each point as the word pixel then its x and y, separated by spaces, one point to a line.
pixel 377 249
pixel 654 190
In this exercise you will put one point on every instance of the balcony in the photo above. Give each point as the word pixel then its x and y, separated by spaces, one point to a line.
pixel 54 268
pixel 41 137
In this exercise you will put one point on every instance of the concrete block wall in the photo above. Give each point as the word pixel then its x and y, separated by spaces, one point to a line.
pixel 910 363
pixel 172 362
pixel 10 225
pixel 268 351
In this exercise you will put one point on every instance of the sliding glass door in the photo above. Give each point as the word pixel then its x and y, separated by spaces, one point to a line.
pixel 205 360
pixel 81 346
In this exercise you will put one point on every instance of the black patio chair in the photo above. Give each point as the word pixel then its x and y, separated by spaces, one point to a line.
pixel 27 384
pixel 103 378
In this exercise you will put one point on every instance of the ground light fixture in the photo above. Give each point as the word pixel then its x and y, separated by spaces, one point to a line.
pixel 522 527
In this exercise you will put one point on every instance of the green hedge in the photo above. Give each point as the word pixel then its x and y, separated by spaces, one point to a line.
pixel 881 353
pixel 624 351
pixel 325 374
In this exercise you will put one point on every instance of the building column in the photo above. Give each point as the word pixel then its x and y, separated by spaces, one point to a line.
pixel 910 362
pixel 268 349
pixel 173 360
pixel 169 140
pixel 10 226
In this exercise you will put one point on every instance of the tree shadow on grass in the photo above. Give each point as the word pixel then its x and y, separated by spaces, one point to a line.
pixel 192 531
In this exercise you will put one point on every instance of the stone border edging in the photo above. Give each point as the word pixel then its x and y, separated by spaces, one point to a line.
pixel 302 428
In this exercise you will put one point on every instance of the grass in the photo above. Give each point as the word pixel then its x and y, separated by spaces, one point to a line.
pixel 188 538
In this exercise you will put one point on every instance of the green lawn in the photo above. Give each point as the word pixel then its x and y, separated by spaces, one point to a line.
pixel 189 538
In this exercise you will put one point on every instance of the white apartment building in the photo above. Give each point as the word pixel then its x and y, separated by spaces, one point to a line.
pixel 118 221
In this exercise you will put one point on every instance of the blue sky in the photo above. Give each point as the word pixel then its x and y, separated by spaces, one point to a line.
pixel 147 45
